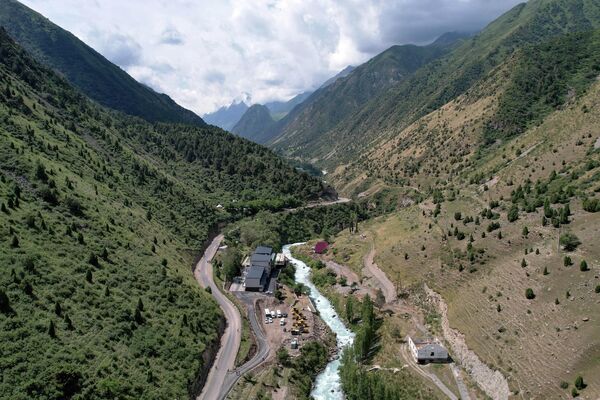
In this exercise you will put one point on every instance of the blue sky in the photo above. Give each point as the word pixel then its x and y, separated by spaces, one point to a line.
pixel 206 53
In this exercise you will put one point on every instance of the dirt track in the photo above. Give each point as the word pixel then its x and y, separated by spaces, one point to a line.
pixel 383 282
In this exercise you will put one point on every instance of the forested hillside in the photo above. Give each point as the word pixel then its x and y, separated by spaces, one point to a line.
pixel 333 103
pixel 254 124
pixel 101 215
pixel 86 69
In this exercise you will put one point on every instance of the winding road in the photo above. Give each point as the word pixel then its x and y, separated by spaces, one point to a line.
pixel 223 374
pixel 230 341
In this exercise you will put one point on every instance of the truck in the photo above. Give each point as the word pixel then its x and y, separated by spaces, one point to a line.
pixel 267 312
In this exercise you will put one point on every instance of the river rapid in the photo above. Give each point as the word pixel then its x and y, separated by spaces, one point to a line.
pixel 327 385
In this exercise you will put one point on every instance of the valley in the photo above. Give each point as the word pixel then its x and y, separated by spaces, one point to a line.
pixel 442 199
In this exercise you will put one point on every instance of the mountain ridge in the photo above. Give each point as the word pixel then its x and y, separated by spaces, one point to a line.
pixel 85 68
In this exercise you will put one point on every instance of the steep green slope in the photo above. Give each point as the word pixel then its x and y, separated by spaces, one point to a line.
pixel 443 80
pixel 100 217
pixel 330 105
pixel 254 124
pixel 86 69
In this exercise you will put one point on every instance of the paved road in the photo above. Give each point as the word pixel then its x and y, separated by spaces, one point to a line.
pixel 249 299
pixel 230 341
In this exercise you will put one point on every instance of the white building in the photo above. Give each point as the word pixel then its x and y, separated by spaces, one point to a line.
pixel 427 350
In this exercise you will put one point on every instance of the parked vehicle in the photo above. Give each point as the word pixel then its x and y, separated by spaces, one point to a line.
pixel 278 313
pixel 267 312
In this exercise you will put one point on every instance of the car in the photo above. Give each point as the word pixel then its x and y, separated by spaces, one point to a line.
pixel 281 322
pixel 284 314
pixel 270 320
pixel 266 320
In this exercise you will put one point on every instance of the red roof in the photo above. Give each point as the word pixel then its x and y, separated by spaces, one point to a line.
pixel 320 247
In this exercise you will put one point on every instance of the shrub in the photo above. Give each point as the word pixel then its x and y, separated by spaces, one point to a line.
pixel 597 290
pixel 579 383
pixel 513 214
pixel 591 205
pixel 569 241
pixel 567 261
pixel 529 294
pixel 583 266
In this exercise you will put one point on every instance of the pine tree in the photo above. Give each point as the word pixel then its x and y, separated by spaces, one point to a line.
pixel 546 271
pixel 525 232
pixel 567 261
pixel 80 238
pixel 137 316
pixel 140 305
pixel 4 302
pixel 51 329
pixel 350 309
pixel 106 291
pixel 579 383
pixel 15 242
pixel 93 260
pixel 583 266
pixel 523 263
pixel 57 308
pixel 88 276
pixel 68 322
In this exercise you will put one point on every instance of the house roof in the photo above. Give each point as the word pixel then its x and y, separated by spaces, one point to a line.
pixel 257 258
pixel 255 272
pixel 321 246
pixel 263 250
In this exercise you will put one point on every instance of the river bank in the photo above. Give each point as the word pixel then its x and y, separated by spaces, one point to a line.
pixel 328 383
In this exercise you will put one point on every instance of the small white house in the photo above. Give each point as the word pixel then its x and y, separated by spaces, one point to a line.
pixel 427 350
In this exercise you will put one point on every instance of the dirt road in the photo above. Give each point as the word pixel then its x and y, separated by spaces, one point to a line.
pixel 230 341
pixel 387 287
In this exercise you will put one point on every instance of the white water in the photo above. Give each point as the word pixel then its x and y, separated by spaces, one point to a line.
pixel 327 385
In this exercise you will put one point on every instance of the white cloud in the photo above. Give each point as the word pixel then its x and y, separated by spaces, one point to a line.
pixel 206 53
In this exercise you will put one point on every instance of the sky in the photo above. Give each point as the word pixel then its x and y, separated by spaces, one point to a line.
pixel 208 53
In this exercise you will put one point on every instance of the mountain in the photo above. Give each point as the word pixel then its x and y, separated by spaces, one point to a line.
pixel 435 83
pixel 101 216
pixel 333 103
pixel 86 69
pixel 254 123
pixel 279 109
pixel 227 116
pixel 342 74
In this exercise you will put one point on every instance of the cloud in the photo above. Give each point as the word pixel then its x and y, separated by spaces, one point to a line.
pixel 121 49
pixel 171 36
pixel 207 53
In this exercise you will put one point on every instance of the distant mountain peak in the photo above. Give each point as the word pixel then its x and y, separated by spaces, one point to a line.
pixel 227 116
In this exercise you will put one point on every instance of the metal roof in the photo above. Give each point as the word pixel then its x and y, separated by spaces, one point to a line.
pixel 260 258
pixel 263 250
pixel 255 272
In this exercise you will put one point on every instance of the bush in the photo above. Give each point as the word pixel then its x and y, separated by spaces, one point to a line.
pixel 569 241
pixel 591 205
pixel 579 383
pixel 529 294
pixel 583 266
pixel 513 214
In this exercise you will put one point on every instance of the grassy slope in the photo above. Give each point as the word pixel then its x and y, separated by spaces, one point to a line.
pixel 88 179
pixel 534 350
pixel 88 70
pixel 443 80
